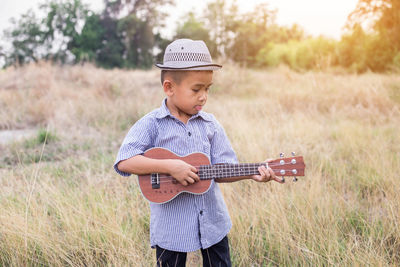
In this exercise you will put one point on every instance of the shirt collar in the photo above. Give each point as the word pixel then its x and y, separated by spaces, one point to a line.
pixel 163 112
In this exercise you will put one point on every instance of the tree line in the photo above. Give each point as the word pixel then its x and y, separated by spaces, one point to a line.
pixel 127 34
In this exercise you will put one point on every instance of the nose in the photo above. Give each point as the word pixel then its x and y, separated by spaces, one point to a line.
pixel 203 96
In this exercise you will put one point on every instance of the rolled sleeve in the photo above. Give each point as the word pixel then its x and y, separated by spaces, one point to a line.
pixel 221 149
pixel 139 139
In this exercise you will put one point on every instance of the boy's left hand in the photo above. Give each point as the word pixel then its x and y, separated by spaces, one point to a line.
pixel 266 175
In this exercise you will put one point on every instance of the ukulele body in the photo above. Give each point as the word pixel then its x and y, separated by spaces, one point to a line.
pixel 169 188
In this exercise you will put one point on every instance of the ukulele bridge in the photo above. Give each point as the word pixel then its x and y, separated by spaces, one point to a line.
pixel 155 181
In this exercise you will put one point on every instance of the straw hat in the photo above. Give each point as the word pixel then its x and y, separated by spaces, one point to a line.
pixel 186 54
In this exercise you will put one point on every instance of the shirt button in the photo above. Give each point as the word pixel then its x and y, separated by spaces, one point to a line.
pixel 189 133
pixel 201 212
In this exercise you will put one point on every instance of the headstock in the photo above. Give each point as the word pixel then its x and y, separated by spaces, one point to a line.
pixel 292 166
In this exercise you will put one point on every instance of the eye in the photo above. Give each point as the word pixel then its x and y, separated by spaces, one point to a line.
pixel 195 90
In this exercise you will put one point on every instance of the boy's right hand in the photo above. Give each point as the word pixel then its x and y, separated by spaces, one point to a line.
pixel 183 172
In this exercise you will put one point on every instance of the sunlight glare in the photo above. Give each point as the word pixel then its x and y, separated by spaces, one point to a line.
pixel 315 16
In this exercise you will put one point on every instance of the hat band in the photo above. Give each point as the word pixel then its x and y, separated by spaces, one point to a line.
pixel 198 67
pixel 190 57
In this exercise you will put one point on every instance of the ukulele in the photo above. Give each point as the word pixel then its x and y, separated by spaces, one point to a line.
pixel 161 188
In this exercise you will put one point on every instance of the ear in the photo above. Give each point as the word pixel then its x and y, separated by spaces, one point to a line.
pixel 168 87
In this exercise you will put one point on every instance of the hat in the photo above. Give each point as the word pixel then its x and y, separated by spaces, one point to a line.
pixel 186 54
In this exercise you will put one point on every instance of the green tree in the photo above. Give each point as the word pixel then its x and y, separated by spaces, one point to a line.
pixel 352 50
pixel 51 37
pixel 138 40
pixel 63 26
pixel 137 30
pixel 220 20
pixel 110 54
pixel 251 34
pixel 27 38
pixel 384 15
pixel 70 32
pixel 384 43
pixel 89 42
pixel 194 29
pixel 241 37
pixel 160 44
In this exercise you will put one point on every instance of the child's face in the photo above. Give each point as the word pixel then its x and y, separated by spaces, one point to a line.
pixel 190 95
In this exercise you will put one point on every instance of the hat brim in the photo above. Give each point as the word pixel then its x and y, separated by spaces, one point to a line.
pixel 198 67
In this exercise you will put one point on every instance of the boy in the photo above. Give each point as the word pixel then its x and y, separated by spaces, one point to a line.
pixel 188 222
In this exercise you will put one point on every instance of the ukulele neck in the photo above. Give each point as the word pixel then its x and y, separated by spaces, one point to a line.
pixel 293 166
pixel 227 170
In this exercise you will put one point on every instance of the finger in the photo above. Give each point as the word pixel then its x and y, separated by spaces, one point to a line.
pixel 195 177
pixel 269 160
pixel 264 174
pixel 271 172
pixel 190 180
pixel 183 182
pixel 258 178
pixel 193 169
pixel 274 177
pixel 267 172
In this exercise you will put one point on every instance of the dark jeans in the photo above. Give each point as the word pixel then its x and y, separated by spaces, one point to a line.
pixel 214 256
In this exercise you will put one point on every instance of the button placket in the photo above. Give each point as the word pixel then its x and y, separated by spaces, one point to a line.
pixel 188 129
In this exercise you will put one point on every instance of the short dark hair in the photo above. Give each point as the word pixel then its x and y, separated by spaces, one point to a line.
pixel 177 75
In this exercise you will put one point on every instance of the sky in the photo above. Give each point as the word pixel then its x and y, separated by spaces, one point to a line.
pixel 317 17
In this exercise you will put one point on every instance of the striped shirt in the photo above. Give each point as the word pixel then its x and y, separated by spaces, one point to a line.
pixel 188 222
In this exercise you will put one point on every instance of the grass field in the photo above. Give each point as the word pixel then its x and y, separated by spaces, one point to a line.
pixel 61 203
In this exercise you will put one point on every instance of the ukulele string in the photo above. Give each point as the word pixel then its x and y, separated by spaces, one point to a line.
pixel 243 165
pixel 169 178
pixel 229 168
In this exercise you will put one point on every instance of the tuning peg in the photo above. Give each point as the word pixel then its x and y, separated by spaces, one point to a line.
pixel 294 177
pixel 282 162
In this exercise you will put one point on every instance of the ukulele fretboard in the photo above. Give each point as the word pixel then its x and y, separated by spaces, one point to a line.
pixel 227 170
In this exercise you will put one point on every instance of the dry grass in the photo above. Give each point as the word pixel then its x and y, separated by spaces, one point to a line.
pixel 62 204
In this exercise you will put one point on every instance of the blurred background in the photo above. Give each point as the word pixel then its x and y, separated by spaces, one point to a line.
pixel 351 35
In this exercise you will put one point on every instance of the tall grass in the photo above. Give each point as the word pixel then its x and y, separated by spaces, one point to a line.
pixel 62 204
